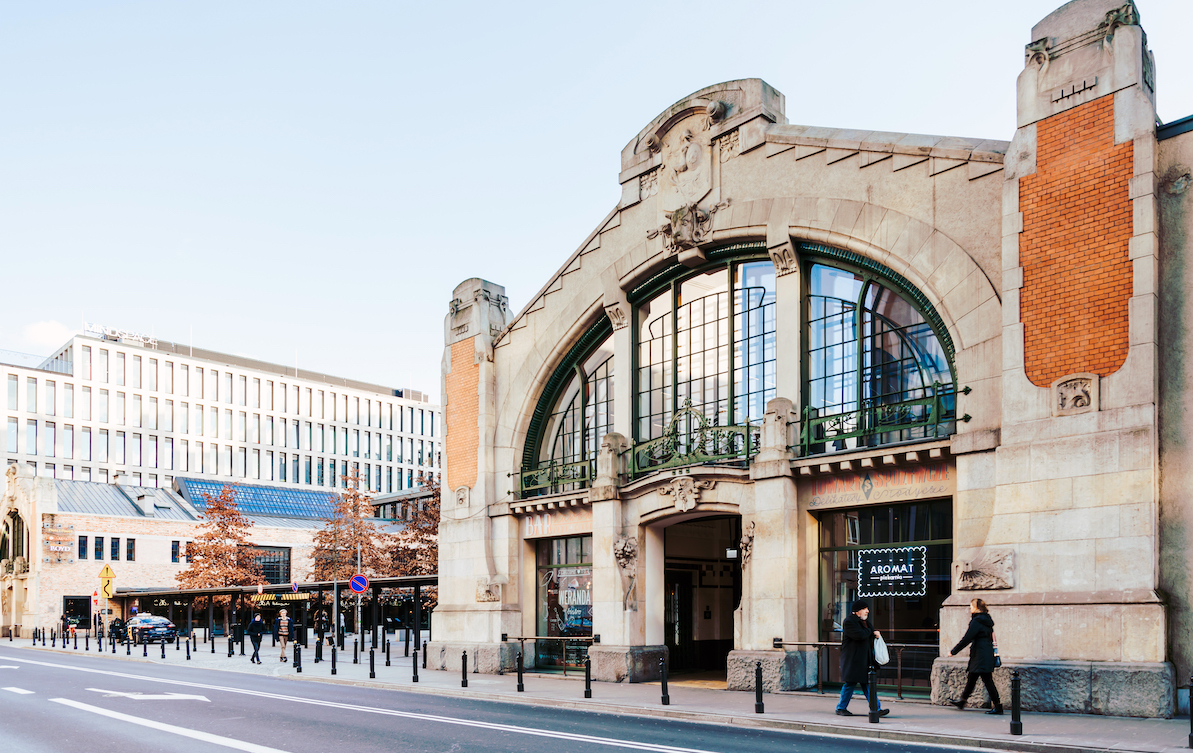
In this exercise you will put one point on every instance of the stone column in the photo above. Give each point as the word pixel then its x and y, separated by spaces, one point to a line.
pixel 770 534
pixel 478 600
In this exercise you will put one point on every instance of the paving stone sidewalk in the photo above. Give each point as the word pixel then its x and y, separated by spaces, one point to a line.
pixel 909 720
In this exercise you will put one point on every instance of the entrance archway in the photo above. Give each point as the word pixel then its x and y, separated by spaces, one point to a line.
pixel 702 588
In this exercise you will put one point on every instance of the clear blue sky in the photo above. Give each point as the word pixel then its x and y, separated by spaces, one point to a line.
pixel 315 178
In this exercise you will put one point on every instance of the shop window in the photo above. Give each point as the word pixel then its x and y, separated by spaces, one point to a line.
pixel 82 547
pixel 564 600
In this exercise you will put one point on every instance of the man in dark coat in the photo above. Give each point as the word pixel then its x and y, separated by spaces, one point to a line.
pixel 857 656
pixel 980 638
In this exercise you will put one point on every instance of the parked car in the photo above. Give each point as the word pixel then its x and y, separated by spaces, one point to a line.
pixel 150 629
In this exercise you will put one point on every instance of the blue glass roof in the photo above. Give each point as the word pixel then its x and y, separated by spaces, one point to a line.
pixel 253 499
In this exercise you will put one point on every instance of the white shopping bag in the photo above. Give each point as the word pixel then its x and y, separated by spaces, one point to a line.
pixel 881 655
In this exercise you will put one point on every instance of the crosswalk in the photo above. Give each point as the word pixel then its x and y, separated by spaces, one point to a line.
pixel 18 691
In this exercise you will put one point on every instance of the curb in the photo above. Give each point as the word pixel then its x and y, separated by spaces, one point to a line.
pixel 998 743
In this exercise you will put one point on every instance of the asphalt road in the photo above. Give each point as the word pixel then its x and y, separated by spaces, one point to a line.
pixel 53 703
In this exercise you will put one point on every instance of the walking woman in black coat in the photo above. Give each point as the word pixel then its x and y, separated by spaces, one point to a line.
pixel 980 638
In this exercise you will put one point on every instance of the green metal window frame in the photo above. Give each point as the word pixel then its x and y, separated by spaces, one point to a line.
pixel 886 418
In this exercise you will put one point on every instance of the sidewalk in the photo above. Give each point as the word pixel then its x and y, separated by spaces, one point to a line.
pixel 909 721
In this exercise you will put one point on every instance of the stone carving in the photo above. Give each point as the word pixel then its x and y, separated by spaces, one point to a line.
pixel 617 315
pixel 686 175
pixel 487 592
pixel 784 259
pixel 461 495
pixel 21 565
pixel 652 142
pixel 687 227
pixel 1076 393
pixel 686 491
pixel 1038 52
pixel 717 110
pixel 648 184
pixel 993 571
pixel 747 544
pixel 625 551
pixel 1125 15
pixel 6 567
pixel 728 146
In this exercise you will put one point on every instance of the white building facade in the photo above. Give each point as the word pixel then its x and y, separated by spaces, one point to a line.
pixel 109 402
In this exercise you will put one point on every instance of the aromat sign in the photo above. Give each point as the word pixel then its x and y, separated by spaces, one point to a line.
pixel 898 571
pixel 879 486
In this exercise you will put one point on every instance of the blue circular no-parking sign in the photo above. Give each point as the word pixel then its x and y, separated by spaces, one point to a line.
pixel 359 583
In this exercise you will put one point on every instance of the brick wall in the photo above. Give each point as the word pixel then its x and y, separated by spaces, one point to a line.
pixel 1073 249
pixel 462 411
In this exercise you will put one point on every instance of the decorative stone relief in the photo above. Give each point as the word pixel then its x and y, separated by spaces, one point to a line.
pixel 784 259
pixel 1125 15
pixel 1076 393
pixel 728 146
pixel 487 592
pixel 686 491
pixel 993 571
pixel 747 544
pixel 648 184
pixel 625 551
pixel 1037 52
pixel 687 227
pixel 617 315
pixel 717 110
pixel 461 495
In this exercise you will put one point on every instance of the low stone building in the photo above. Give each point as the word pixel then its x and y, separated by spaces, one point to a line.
pixel 796 366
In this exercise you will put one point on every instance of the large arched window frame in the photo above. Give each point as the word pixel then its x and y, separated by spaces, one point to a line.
pixel 573 413
pixel 877 360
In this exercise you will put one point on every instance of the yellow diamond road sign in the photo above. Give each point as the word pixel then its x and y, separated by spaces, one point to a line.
pixel 107 572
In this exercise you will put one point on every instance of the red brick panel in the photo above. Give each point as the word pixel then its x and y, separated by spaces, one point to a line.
pixel 1073 249
pixel 463 408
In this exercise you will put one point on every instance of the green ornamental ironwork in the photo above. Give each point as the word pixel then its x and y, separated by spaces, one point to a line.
pixel 691 439
pixel 925 418
pixel 553 476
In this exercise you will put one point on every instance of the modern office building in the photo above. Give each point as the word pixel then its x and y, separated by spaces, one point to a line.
pixel 795 366
pixel 111 402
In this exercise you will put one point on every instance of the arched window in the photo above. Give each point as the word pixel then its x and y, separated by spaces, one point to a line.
pixel 569 434
pixel 706 359
pixel 877 372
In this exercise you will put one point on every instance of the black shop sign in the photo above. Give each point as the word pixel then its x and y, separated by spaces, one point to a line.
pixel 899 571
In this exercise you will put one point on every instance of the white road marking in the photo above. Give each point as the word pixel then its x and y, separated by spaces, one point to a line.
pixel 194 734
pixel 144 697
pixel 631 744
pixel 20 691
pixel 8 666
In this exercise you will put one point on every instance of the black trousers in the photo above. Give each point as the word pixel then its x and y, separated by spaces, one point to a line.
pixel 256 639
pixel 987 680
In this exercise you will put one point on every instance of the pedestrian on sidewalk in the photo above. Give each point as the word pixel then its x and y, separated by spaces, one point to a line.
pixel 980 639
pixel 857 657
pixel 282 627
pixel 320 626
pixel 255 631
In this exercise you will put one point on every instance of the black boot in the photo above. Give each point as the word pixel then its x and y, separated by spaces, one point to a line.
pixel 959 704
pixel 997 710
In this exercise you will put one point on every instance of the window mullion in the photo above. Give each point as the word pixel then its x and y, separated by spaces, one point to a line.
pixel 674 347
pixel 730 413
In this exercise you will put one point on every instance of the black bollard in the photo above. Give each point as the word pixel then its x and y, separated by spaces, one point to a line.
pixel 387 653
pixel 1017 722
pixel 231 647
pixel 424 653
pixel 242 643
pixel 213 644
pixel 464 669
pixel 521 687
pixel 53 639
pixel 872 688
pixel 372 666
pixel 87 642
pixel 333 658
pixel 163 647
pixel 144 647
pixel 415 678
pixel 663 677
pixel 298 657
pixel 318 651
pixel 188 650
pixel 587 677
pixel 408 642
pixel 356 651
pixel 128 647
pixel 76 639
pixel 758 707
pixel 177 642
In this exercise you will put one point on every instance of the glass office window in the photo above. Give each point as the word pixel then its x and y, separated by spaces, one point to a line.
pixel 168 415
pixel 241 462
pixel 199 420
pixel 68 441
pixel 255 434
pixel 168 453
pixel 49 439
pixel 13 387
pixel 168 377
pixel 255 394
pixel 99 547
pixel 227 423
pixel 85 404
pixel 102 451
pixel 85 443
pixel 227 387
pixel 30 395
pixel 184 457
pixel 151 451
pixel 130 550
pixel 151 414
pixel 101 366
pixel 86 361
pixel 82 547
pixel 14 430
pixel 134 376
pixel 102 407
pixel 118 408
pixel 118 448
pixel 137 411
pixel 268 395
pixel 242 390
pixel 31 437
pixel 241 426
pixel 115 549
pixel 213 422
pixel 151 375
pixel 68 400
pixel 120 358
pixel 51 397
pixel 268 465
pixel 175 551
pixel 184 380
pixel 255 465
